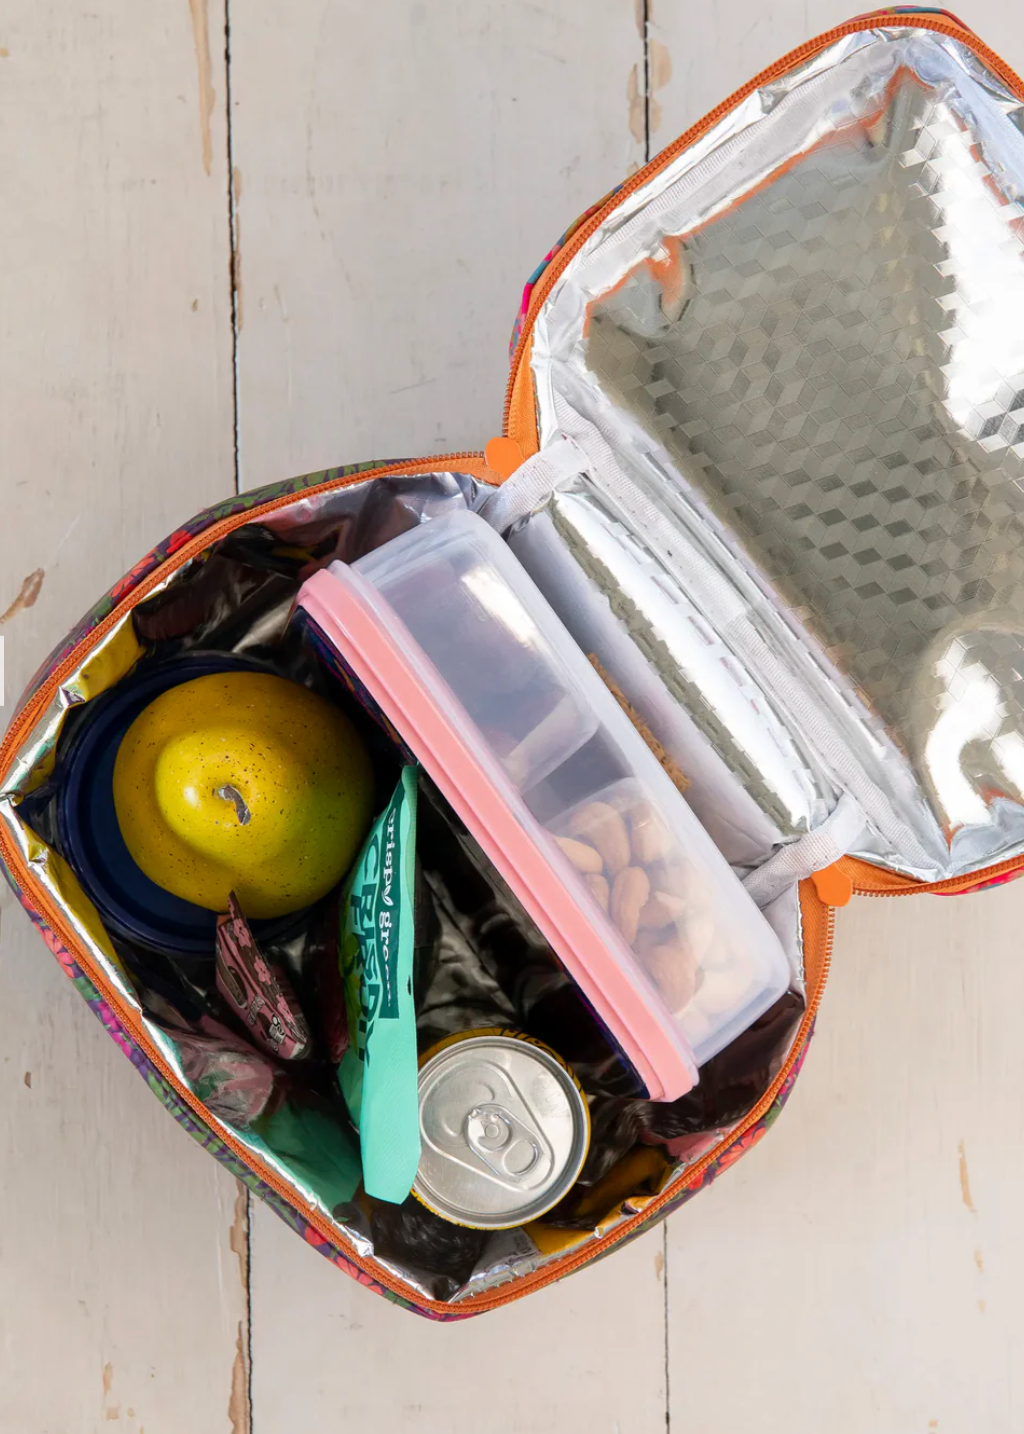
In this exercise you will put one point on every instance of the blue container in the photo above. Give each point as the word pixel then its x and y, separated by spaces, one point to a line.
pixel 130 905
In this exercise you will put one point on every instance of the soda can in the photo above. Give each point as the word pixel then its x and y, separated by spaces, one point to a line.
pixel 504 1129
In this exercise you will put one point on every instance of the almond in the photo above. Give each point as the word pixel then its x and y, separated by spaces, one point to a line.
pixel 680 879
pixel 649 837
pixel 583 856
pixel 672 971
pixel 630 891
pixel 720 992
pixel 698 935
pixel 599 888
pixel 645 943
pixel 662 909
pixel 601 826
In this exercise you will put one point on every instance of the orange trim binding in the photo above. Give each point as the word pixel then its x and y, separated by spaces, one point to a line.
pixel 521 425
pixel 520 407
pixel 520 402
pixel 817 931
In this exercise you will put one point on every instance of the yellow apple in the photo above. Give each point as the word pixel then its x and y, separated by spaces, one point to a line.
pixel 244 782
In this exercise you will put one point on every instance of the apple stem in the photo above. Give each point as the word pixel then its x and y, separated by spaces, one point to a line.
pixel 234 796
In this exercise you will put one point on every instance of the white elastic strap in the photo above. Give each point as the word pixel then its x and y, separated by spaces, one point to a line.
pixel 532 481
pixel 813 852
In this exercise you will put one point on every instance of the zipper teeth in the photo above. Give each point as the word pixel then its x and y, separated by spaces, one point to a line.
pixel 952 885
pixel 690 1174
pixel 128 1018
pixel 209 535
pixel 39 699
pixel 12 857
pixel 942 25
pixel 540 293
pixel 802 52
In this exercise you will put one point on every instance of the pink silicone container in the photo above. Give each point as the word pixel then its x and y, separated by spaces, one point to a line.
pixel 457 647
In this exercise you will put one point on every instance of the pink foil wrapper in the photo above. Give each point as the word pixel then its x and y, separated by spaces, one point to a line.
pixel 257 992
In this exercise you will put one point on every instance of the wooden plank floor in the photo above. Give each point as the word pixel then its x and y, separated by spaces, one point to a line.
pixel 242 241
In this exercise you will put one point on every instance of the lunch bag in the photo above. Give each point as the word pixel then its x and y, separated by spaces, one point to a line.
pixel 763 452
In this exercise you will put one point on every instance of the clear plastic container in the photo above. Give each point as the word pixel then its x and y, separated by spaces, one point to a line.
pixel 462 602
pixel 714 971
pixel 447 635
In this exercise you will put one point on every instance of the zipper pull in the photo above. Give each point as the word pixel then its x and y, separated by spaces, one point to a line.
pixel 815 855
pixel 503 456
pixel 833 885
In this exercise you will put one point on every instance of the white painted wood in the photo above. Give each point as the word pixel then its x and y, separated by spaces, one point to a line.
pixel 743 1280
pixel 709 50
pixel 121 1298
pixel 400 176
pixel 584 1357
pixel 836 1278
pixel 861 1269
pixel 120 1295
pixel 115 345
pixel 399 173
pixel 402 170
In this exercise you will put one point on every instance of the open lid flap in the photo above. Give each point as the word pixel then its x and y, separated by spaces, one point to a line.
pixel 794 359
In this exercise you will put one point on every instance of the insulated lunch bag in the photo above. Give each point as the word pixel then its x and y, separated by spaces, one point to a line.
pixel 743 575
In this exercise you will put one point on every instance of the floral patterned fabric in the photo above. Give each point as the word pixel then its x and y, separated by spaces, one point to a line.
pixel 1002 880
pixel 535 277
pixel 227 508
pixel 211 1142
pixel 160 1087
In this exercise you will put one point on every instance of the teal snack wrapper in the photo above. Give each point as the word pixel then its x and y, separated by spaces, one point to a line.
pixel 378 1073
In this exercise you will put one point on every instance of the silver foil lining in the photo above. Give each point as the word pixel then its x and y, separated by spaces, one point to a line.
pixel 226 601
pixel 804 341
pixel 804 338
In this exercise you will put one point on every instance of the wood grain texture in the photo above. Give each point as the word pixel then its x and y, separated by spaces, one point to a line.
pixel 120 1296
pixel 713 49
pixel 584 1357
pixel 838 1277
pixel 115 343
pixel 401 170
pixel 863 1266
pixel 397 174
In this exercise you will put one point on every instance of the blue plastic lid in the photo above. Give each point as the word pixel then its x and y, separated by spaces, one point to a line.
pixel 131 905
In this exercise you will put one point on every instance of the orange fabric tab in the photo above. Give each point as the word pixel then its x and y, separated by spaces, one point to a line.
pixel 503 456
pixel 833 885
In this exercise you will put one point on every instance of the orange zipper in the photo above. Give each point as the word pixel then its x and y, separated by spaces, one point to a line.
pixel 129 1018
pixel 471 462
pixel 819 920
pixel 812 910
pixel 528 442
pixel 546 282
pixel 815 915
pixel 38 701
pixel 904 886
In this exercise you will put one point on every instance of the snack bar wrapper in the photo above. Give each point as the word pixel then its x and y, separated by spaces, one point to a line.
pixel 258 992
pixel 378 1073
